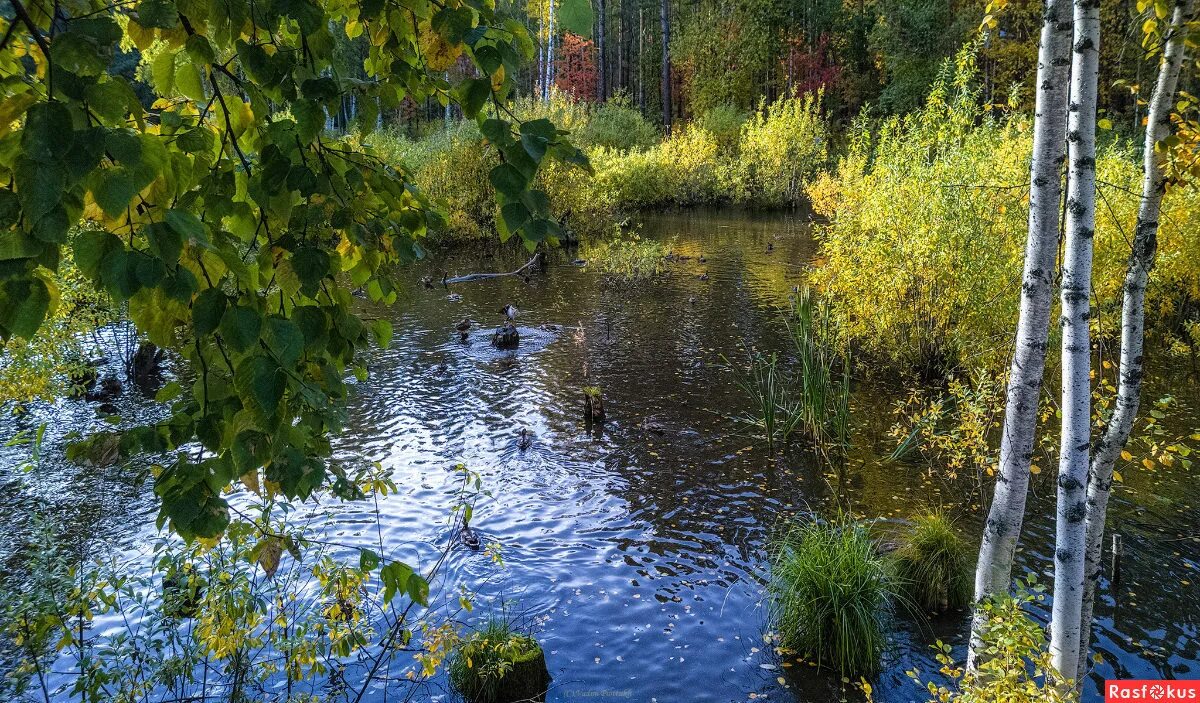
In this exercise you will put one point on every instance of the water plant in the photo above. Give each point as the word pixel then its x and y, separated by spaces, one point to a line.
pixel 830 592
pixel 497 664
pixel 626 257
pixel 774 414
pixel 933 565
pixel 822 397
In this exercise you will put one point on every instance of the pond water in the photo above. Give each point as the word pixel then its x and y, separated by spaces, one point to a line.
pixel 636 551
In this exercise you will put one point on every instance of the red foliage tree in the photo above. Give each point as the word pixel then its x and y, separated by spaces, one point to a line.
pixel 576 74
pixel 809 68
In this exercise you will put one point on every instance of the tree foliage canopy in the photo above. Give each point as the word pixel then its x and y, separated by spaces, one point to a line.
pixel 233 226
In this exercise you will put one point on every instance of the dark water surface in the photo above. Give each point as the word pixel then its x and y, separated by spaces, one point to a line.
pixel 636 552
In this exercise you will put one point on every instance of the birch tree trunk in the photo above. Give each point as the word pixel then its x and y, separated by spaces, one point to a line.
pixel 1076 437
pixel 665 17
pixel 1133 313
pixel 1003 527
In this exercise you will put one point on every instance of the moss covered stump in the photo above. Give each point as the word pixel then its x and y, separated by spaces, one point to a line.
pixel 496 665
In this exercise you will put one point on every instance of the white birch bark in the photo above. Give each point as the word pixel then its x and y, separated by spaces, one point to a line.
pixel 1133 313
pixel 1075 440
pixel 1003 527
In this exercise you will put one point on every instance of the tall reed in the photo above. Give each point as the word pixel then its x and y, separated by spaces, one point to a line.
pixel 822 394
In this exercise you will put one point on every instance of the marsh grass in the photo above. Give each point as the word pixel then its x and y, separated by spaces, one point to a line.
pixel 774 413
pixel 933 563
pixel 822 394
pixel 830 593
pixel 809 397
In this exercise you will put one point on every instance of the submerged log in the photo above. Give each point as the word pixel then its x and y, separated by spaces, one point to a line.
pixel 484 276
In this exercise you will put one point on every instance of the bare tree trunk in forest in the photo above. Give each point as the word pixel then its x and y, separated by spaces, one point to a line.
pixel 1075 442
pixel 1133 312
pixel 601 59
pixel 665 16
pixel 1007 512
pixel 641 61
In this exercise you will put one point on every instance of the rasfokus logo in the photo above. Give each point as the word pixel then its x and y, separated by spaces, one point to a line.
pixel 1152 691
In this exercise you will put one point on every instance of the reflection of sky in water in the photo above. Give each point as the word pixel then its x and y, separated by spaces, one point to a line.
pixel 637 553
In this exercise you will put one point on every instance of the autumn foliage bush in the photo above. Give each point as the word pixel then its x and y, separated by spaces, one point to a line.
pixel 923 251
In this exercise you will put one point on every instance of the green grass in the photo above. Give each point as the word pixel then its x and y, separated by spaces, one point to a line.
pixel 933 564
pixel 822 395
pixel 830 595
pixel 497 664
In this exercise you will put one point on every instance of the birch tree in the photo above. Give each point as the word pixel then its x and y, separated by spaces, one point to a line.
pixel 664 11
pixel 1075 438
pixel 1133 310
pixel 1003 525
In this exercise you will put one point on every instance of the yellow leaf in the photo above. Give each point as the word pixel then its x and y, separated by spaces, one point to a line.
pixel 1035 469
pixel 1148 463
pixel 1117 476
pixel 1126 455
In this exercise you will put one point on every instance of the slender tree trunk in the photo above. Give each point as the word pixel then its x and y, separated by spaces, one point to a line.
pixel 641 61
pixel 665 17
pixel 1133 312
pixel 550 28
pixel 1007 512
pixel 601 55
pixel 541 58
pixel 1076 439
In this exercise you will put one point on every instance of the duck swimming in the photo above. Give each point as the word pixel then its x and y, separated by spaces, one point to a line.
pixel 469 536
pixel 524 440
pixel 510 311
pixel 463 326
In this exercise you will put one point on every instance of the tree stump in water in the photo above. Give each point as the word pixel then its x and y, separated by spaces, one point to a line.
pixel 506 337
pixel 146 368
pixel 593 405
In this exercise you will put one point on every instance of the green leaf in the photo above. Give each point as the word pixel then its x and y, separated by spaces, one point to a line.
pixel 48 131
pixel 160 14
pixel 90 248
pixel 367 560
pixel 25 304
pixel 207 311
pixel 18 245
pixel 240 327
pixel 285 339
pixel 311 265
pixel 515 216
pixel 395 576
pixel 575 16
pixel 165 242
pixel 508 181
pixel 473 94
pixel 382 331
pixel 261 380
pixel 186 224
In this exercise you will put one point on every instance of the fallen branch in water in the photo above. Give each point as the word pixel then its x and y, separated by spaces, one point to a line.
pixel 484 276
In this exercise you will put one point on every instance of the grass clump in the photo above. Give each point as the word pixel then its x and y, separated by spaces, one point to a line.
pixel 497 664
pixel 830 592
pixel 933 563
